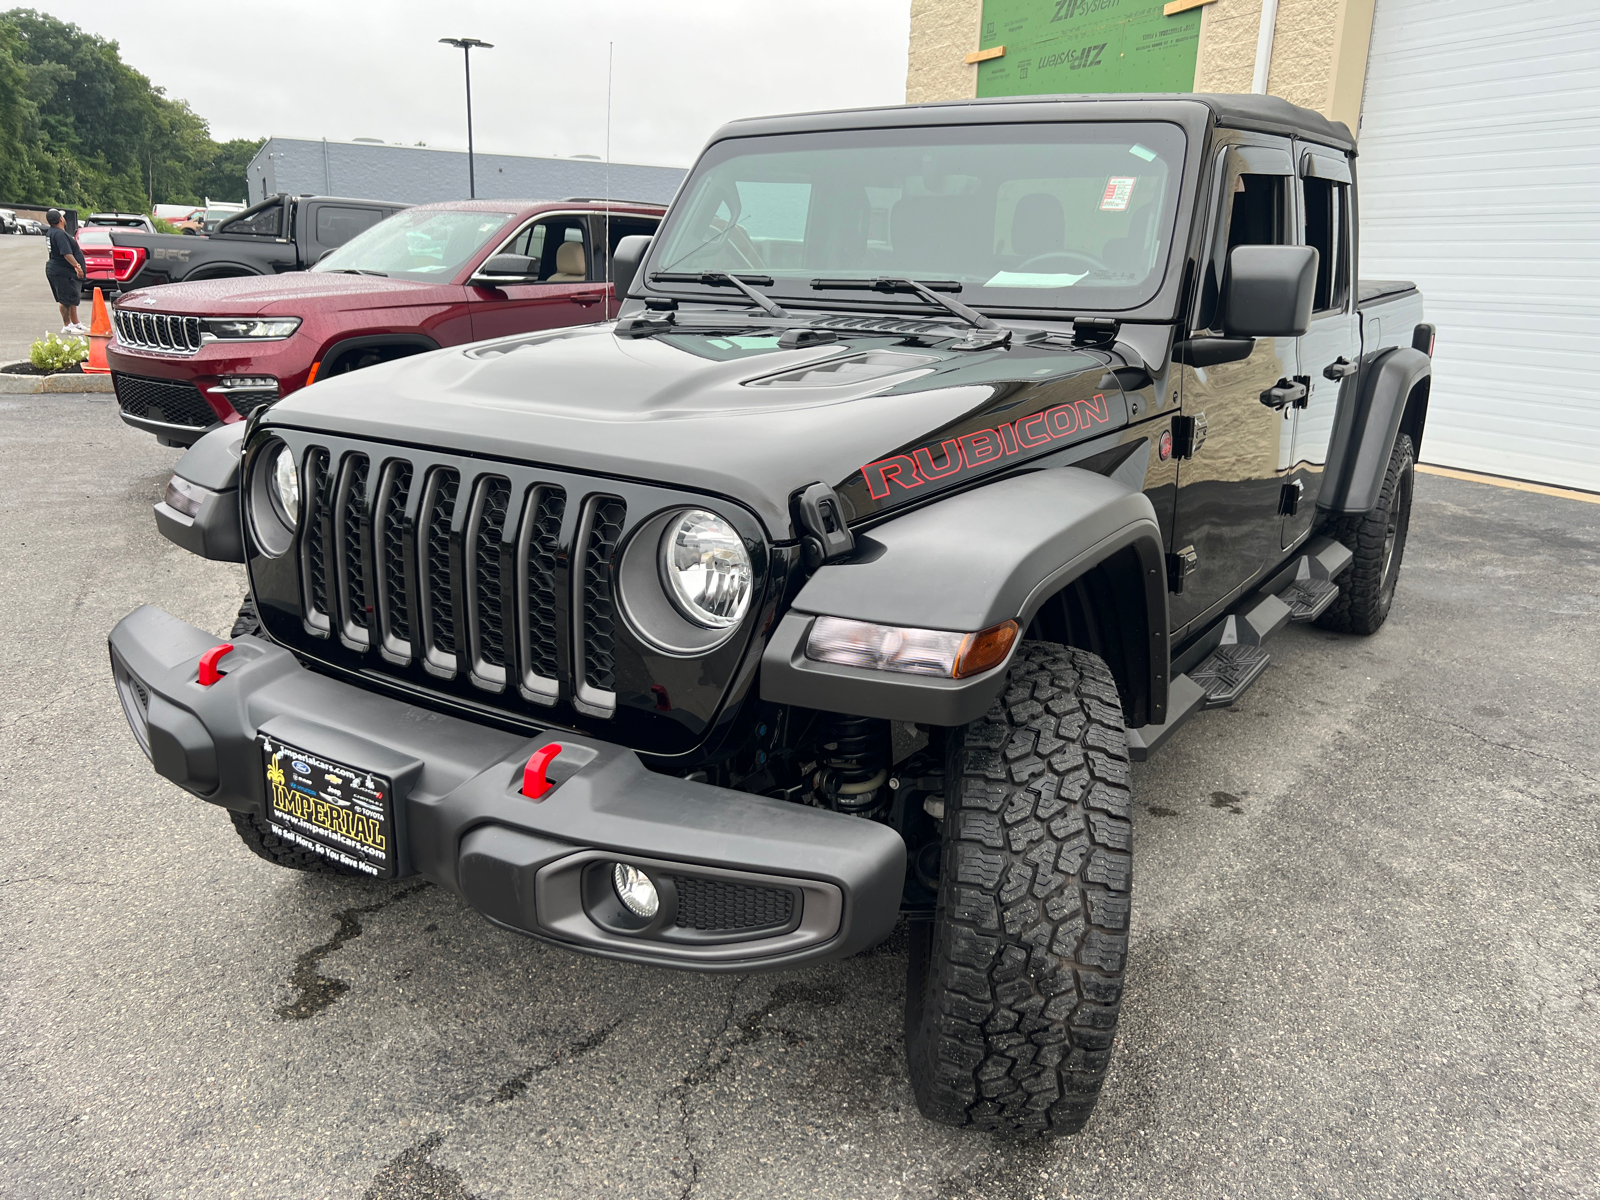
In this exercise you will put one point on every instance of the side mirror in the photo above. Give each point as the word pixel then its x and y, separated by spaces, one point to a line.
pixel 625 260
pixel 1270 291
pixel 507 268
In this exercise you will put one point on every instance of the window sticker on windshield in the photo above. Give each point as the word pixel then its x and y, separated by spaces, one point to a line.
pixel 1030 279
pixel 1143 152
pixel 1119 190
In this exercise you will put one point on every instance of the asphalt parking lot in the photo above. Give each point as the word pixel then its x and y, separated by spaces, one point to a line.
pixel 1366 953
pixel 27 310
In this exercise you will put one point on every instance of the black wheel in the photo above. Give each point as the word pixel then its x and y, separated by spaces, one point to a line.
pixel 1378 541
pixel 1014 987
pixel 256 833
pixel 248 621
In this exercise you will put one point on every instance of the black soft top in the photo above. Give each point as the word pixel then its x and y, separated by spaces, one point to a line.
pixel 1265 114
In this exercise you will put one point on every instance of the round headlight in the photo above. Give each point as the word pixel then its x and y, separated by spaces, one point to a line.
pixel 706 570
pixel 285 486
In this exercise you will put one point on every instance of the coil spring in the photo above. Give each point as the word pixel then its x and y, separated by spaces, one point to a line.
pixel 854 763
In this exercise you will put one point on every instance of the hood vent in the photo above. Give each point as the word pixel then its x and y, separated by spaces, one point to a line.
pixel 842 372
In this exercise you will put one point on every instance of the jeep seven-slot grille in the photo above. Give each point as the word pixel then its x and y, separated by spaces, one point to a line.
pixel 465 573
pixel 352 505
pixel 318 486
pixel 393 550
pixel 599 604
pixel 440 628
pixel 157 331
pixel 547 506
pixel 491 525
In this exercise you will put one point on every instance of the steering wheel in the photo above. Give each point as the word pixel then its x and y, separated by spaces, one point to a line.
pixel 1085 261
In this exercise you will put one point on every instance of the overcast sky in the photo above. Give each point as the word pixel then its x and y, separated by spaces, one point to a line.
pixel 344 69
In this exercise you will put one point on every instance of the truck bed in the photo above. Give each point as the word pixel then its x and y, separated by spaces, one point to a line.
pixel 1390 310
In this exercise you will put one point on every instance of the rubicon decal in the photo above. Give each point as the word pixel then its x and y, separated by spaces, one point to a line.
pixel 970 452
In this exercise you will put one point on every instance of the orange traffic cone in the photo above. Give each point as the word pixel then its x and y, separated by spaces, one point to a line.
pixel 99 335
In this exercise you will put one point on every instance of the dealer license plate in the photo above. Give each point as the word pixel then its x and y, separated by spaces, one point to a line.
pixel 343 813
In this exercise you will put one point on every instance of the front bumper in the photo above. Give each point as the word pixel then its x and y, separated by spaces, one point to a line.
pixel 462 822
pixel 285 361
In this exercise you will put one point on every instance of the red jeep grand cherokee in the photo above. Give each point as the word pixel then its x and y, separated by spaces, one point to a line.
pixel 188 356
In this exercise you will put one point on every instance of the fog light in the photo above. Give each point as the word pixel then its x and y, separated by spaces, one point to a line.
pixel 635 890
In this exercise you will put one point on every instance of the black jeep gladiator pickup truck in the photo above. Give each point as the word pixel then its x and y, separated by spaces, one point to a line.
pixel 282 233
pixel 943 460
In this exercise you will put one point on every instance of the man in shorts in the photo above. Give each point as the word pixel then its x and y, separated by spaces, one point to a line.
pixel 64 269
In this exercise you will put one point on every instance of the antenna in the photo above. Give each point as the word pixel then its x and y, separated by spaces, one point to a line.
pixel 610 49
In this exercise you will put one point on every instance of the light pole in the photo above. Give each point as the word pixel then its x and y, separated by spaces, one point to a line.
pixel 467 45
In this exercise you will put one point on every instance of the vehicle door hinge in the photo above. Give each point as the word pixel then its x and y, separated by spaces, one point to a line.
pixel 1094 331
pixel 1188 435
pixel 1180 565
pixel 824 536
pixel 1304 399
pixel 1289 497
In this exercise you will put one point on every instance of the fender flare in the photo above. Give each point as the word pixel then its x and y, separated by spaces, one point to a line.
pixel 212 465
pixel 1366 425
pixel 368 341
pixel 965 563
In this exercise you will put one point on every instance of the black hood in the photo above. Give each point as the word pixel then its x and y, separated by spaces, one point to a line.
pixel 882 417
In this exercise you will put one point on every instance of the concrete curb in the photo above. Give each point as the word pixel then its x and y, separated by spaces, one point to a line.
pixel 34 385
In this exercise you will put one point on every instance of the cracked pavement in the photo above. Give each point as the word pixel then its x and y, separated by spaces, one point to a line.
pixel 1364 962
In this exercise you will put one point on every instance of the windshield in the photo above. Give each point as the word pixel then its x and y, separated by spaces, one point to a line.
pixel 417 244
pixel 1036 216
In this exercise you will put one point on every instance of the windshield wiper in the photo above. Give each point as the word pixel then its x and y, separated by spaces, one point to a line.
pixel 911 287
pixel 356 271
pixel 724 279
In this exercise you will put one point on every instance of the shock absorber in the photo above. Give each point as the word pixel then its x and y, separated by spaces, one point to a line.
pixel 853 762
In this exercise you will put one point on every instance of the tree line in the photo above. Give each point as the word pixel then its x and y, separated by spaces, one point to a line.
pixel 81 128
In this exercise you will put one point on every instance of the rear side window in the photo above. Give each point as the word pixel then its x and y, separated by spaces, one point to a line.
pixel 266 221
pixel 1328 229
pixel 336 226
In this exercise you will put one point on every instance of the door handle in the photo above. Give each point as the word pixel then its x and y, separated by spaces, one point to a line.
pixel 585 299
pixel 1284 393
pixel 1339 368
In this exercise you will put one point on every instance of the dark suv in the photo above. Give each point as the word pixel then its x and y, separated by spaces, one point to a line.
pixel 943 459
pixel 189 356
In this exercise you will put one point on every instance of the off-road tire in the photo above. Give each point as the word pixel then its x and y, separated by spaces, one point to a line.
pixel 1013 989
pixel 248 622
pixel 256 833
pixel 1366 589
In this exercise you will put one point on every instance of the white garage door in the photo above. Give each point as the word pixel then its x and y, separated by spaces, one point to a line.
pixel 1480 180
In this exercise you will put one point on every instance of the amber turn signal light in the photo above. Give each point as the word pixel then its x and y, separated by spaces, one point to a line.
pixel 985 649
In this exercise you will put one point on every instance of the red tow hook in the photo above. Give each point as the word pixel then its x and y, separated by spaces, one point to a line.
pixel 208 663
pixel 534 781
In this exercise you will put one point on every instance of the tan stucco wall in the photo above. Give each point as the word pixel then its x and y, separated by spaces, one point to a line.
pixel 1227 55
pixel 1302 52
pixel 943 32
pixel 1319 51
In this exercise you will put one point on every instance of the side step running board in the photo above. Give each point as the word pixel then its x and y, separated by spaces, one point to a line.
pixel 1308 597
pixel 1301 592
